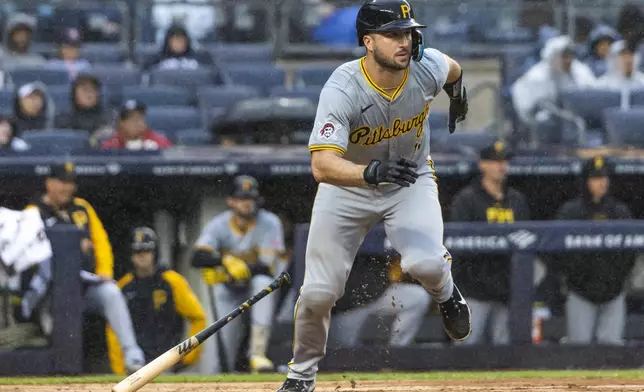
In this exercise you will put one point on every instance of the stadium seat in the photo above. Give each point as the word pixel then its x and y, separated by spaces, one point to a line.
pixel 242 53
pixel 624 128
pixel 171 119
pixel 103 53
pixel 6 100
pixel 188 79
pixel 61 97
pixel 438 120
pixel 314 76
pixel 193 137
pixel 312 93
pixel 463 141
pixel 589 103
pixel 116 75
pixel 50 77
pixel 261 76
pixel 157 95
pixel 57 141
pixel 224 96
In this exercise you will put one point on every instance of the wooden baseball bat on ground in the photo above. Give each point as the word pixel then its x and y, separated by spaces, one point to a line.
pixel 165 361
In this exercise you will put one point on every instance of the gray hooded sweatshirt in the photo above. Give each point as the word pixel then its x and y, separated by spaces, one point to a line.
pixel 9 58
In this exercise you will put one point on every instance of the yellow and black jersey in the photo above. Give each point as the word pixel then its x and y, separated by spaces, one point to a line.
pixel 158 306
pixel 486 277
pixel 80 213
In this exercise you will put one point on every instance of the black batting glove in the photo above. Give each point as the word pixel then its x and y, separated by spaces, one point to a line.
pixel 457 111
pixel 396 172
pixel 457 102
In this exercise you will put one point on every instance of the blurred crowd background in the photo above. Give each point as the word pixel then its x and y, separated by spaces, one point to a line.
pixel 545 78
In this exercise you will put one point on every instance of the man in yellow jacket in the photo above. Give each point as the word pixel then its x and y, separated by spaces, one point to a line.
pixel 159 301
pixel 58 205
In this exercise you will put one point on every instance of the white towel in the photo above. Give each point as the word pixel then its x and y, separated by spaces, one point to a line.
pixel 23 241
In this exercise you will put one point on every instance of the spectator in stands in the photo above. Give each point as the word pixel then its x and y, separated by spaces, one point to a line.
pixel 68 58
pixel 630 23
pixel 87 111
pixel 133 132
pixel 17 38
pixel 58 205
pixel 486 278
pixel 534 94
pixel 596 304
pixel 178 52
pixel 198 16
pixel 159 300
pixel 599 42
pixel 623 68
pixel 8 138
pixel 33 108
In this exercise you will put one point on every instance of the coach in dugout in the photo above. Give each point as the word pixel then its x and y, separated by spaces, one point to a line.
pixel 596 302
pixel 58 205
pixel 159 300
pixel 485 279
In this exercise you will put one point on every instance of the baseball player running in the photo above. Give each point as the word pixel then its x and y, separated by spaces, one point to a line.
pixel 248 242
pixel 370 154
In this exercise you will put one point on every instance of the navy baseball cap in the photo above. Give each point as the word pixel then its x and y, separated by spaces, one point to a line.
pixel 63 171
pixel 597 167
pixel 131 105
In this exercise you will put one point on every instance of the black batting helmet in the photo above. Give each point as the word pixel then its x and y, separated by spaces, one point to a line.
pixel 390 15
pixel 144 239
pixel 245 187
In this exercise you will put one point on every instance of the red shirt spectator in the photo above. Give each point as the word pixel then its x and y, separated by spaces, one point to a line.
pixel 133 132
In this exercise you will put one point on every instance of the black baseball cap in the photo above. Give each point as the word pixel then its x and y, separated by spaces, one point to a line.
pixel 495 152
pixel 597 167
pixel 132 105
pixel 63 171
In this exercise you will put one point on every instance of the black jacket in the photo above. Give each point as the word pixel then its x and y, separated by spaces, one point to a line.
pixel 86 119
pixel 597 276
pixel 190 59
pixel 486 277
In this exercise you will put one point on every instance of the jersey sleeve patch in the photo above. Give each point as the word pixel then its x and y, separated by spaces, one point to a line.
pixel 327 132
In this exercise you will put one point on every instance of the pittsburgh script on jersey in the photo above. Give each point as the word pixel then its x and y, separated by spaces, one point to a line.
pixel 367 136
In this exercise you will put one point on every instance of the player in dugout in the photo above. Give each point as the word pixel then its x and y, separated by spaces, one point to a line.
pixel 159 300
pixel 58 205
pixel 247 241
pixel 485 279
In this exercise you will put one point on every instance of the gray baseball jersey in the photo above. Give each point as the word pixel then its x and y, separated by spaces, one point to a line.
pixel 263 243
pixel 360 120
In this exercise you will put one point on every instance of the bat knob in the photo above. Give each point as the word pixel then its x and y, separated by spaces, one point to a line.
pixel 286 278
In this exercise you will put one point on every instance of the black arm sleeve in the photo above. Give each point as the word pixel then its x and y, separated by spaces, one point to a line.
pixel 202 258
pixel 260 269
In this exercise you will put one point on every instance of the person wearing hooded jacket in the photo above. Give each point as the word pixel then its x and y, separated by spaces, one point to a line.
pixel 599 42
pixel 538 88
pixel 33 108
pixel 486 277
pixel 87 112
pixel 623 68
pixel 178 52
pixel 596 302
pixel 17 40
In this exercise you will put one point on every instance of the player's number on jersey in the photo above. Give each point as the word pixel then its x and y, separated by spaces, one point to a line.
pixel 417 146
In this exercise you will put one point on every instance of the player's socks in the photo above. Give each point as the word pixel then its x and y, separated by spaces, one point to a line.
pixel 293 385
pixel 456 316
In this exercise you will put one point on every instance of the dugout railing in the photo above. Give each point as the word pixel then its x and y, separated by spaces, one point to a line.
pixel 524 240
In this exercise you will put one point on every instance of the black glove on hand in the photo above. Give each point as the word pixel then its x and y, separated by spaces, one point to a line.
pixel 457 110
pixel 397 172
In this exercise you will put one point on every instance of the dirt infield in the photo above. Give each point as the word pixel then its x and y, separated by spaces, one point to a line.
pixel 533 385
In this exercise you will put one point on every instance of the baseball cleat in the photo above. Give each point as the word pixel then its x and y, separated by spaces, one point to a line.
pixel 260 364
pixel 293 385
pixel 456 316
